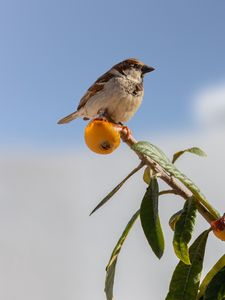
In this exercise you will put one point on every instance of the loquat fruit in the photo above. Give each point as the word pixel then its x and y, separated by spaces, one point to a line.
pixel 218 227
pixel 102 136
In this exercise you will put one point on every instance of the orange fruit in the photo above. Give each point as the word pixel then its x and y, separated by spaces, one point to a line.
pixel 218 227
pixel 102 136
pixel 220 234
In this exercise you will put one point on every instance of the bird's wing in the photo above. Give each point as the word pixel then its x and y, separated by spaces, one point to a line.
pixel 95 88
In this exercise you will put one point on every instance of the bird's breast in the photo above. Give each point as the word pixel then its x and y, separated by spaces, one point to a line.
pixel 120 97
pixel 125 101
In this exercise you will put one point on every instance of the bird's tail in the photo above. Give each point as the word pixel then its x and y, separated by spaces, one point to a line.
pixel 69 118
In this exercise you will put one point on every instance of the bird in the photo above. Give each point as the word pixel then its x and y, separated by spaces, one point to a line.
pixel 115 96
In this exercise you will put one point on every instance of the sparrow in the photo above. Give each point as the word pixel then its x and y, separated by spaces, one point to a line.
pixel 115 96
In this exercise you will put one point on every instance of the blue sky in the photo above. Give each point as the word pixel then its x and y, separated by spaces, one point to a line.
pixel 52 51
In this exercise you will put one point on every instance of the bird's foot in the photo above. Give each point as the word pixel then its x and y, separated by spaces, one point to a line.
pixel 125 132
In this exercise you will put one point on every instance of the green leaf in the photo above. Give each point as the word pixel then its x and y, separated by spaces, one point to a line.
pixel 210 275
pixel 110 269
pixel 152 151
pixel 194 150
pixel 216 288
pixel 116 189
pixel 109 280
pixel 158 156
pixel 185 280
pixel 183 230
pixel 150 219
pixel 174 218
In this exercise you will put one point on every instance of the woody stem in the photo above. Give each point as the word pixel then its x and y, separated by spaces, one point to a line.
pixel 169 179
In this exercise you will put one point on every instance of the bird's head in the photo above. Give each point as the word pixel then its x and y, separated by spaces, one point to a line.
pixel 133 69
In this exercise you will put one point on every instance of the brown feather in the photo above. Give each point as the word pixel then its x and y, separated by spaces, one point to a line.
pixel 96 87
pixel 68 118
pixel 120 67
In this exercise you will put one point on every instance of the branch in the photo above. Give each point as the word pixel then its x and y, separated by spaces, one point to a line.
pixel 176 186
pixel 165 192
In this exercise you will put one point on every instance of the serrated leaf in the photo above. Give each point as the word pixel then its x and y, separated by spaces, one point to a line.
pixel 151 150
pixel 185 280
pixel 158 156
pixel 194 150
pixel 150 218
pixel 210 275
pixel 183 230
pixel 110 269
pixel 174 218
pixel 216 288
pixel 116 189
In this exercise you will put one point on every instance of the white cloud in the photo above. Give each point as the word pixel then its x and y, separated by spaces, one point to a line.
pixel 52 250
pixel 210 106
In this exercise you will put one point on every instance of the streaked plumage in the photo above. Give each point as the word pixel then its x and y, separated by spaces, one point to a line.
pixel 116 95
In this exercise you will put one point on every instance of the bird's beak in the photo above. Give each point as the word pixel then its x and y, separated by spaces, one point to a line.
pixel 147 69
